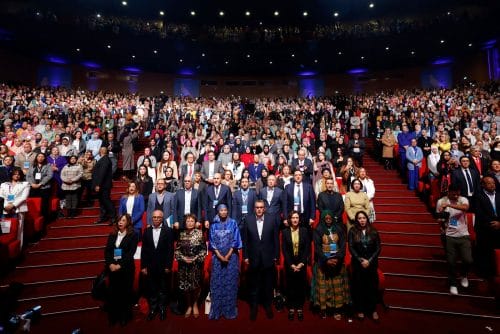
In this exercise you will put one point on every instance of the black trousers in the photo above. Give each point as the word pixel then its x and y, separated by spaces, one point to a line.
pixel 120 299
pixel 364 289
pixel 157 286
pixel 106 205
pixel 296 285
pixel 45 195
pixel 260 284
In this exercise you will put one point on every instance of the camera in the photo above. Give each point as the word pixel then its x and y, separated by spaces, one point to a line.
pixel 25 319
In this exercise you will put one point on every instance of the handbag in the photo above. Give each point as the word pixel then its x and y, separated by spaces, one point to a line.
pixel 100 286
pixel 208 303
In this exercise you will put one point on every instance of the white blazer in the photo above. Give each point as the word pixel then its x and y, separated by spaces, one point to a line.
pixel 20 191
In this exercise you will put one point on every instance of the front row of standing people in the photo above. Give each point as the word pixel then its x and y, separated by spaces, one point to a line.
pixel 258 241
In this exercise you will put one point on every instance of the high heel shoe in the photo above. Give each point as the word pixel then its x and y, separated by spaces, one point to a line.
pixel 188 313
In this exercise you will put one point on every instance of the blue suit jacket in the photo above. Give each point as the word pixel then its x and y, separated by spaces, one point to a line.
pixel 236 210
pixel 225 197
pixel 179 206
pixel 277 204
pixel 255 171
pixel 168 207
pixel 414 153
pixel 137 211
pixel 309 200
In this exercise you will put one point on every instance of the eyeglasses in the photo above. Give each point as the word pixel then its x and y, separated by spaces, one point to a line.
pixel 259 207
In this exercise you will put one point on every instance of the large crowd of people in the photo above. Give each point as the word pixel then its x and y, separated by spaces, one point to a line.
pixel 243 180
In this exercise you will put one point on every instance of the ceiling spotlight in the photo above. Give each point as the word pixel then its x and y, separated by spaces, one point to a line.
pixel 293 55
pixel 98 16
pixel 412 53
pixel 109 46
pixel 155 51
pixel 315 61
pixel 181 60
pixel 336 14
pixel 305 13
pixel 133 56
pixel 38 14
pixel 162 13
pixel 78 50
pixel 193 13
pixel 248 56
pixel 276 13
pixel 362 57
pixel 465 78
pixel 247 13
pixel 270 62
pixel 449 13
pixel 470 44
pixel 340 53
pixel 203 54
pixel 371 5
pixel 221 13
pixel 124 3
pixel 387 48
pixel 226 62
pixel 260 23
pixel 441 41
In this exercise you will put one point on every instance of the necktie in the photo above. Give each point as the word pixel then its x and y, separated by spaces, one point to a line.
pixel 469 181
pixel 216 192
pixel 299 198
pixel 190 173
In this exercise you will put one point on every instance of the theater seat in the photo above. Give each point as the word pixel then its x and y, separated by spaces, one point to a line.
pixel 496 282
pixel 34 221
pixel 470 220
pixel 10 247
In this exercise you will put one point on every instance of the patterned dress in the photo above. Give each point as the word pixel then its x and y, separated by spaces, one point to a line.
pixel 190 245
pixel 224 277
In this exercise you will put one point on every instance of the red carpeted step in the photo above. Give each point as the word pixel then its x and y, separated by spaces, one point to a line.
pixel 78 255
pixel 399 201
pixel 57 287
pixel 394 187
pixel 400 250
pixel 90 211
pixel 407 208
pixel 442 302
pixel 412 227
pixel 49 273
pixel 62 303
pixel 413 267
pixel 71 243
pixel 408 238
pixel 401 215
pixel 76 230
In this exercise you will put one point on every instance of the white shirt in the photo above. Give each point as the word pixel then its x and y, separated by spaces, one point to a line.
pixel 260 226
pixel 211 169
pixel 187 201
pixel 469 186
pixel 156 235
pixel 296 187
pixel 119 238
pixel 270 192
pixel 491 197
pixel 130 204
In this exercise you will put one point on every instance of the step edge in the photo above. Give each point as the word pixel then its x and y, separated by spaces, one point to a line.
pixel 470 315
pixel 427 276
pixel 58 264
pixel 412 245
pixel 82 293
pixel 71 311
pixel 66 249
pixel 439 293
pixel 410 259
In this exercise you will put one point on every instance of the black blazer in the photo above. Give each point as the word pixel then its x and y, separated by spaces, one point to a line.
pixel 307 170
pixel 179 205
pixel 457 177
pixel 309 199
pixel 277 205
pixel 261 253
pixel 102 175
pixel 484 215
pixel 157 259
pixel 236 209
pixel 358 251
pixel 287 247
pixel 184 170
pixel 225 197
pixel 331 201
pixel 128 247
pixel 484 165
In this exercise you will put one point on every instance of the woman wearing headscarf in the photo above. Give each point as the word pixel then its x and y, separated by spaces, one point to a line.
pixel 330 288
pixel 70 177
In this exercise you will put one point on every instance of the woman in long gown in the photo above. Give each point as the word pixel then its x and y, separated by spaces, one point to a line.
pixel 225 242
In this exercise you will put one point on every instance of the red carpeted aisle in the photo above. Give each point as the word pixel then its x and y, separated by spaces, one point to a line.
pixel 58 271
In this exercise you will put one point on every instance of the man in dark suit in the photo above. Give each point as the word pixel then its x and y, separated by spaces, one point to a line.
pixel 210 168
pixel 243 203
pixel 479 163
pixel 161 200
pixel 157 254
pixel 102 182
pixel 190 167
pixel 467 179
pixel 273 199
pixel 304 165
pixel 261 252
pixel 299 196
pixel 356 148
pixel 216 194
pixel 487 226
pixel 331 200
pixel 187 200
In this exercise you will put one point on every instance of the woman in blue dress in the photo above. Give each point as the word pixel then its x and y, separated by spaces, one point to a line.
pixel 225 242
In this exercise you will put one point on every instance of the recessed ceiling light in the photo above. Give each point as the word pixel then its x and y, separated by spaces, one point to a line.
pixel 124 3
pixel 441 41
pixel 155 51
pixel 203 54
pixel 305 13
pixel 339 53
pixel 109 46
pixel 362 57
pixel 270 62
pixel 162 13
pixel 371 5
pixel 77 49
pixel 193 13
pixel 226 62
pixel 260 23
pixel 387 48
pixel 276 13
pixel 470 44
pixel 316 61
pixel 293 55
pixel 413 52
pixel 248 56
pixel 247 13
pixel 465 78
pixel 98 16
pixel 133 56
pixel 181 60
pixel 221 13
pixel 336 14
pixel 449 13
pixel 38 14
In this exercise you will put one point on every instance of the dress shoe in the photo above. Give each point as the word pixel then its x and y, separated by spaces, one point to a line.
pixel 253 313
pixel 269 312
pixel 151 315
pixel 163 315
pixel 464 282
pixel 453 290
pixel 300 315
pixel 375 317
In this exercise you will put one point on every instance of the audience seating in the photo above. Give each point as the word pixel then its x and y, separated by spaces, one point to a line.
pixel 10 247
pixel 34 221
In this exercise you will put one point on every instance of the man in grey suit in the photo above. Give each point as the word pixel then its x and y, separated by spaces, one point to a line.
pixel 187 200
pixel 211 167
pixel 273 199
pixel 161 200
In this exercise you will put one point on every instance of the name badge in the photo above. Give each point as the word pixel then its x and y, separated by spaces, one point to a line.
pixel 244 209
pixel 38 176
pixel 26 165
pixel 118 254
pixel 10 198
pixel 215 203
pixel 333 248
pixel 453 223
pixel 356 150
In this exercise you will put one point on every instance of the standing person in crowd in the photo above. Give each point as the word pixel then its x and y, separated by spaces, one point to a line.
pixel 187 200
pixel 94 143
pixel 25 158
pixel 88 163
pixel 404 141
pixel 369 189
pixel 320 164
pixel 456 235
pixel 157 254
pixel 331 200
pixel 119 259
pixel 70 177
pixel 467 179
pixel 255 169
pixel 355 200
pixel 304 165
pixel 144 183
pixel 132 203
pixel 296 250
pixel 364 245
pixel 356 148
pixel 57 162
pixel 261 252
pixel 6 168
pixel 478 162
pixel 15 195
pixel 330 287
pixel 273 199
pixel 102 182
pixel 388 141
pixel 243 203
pixel 487 226
pixel 127 136
pixel 190 167
pixel 161 200
pixel 299 196
pixel 147 155
pixel 39 177
pixel 224 243
pixel 414 157
pixel 216 194
pixel 190 252
pixel 210 168
pixel 348 172
pixel 113 147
